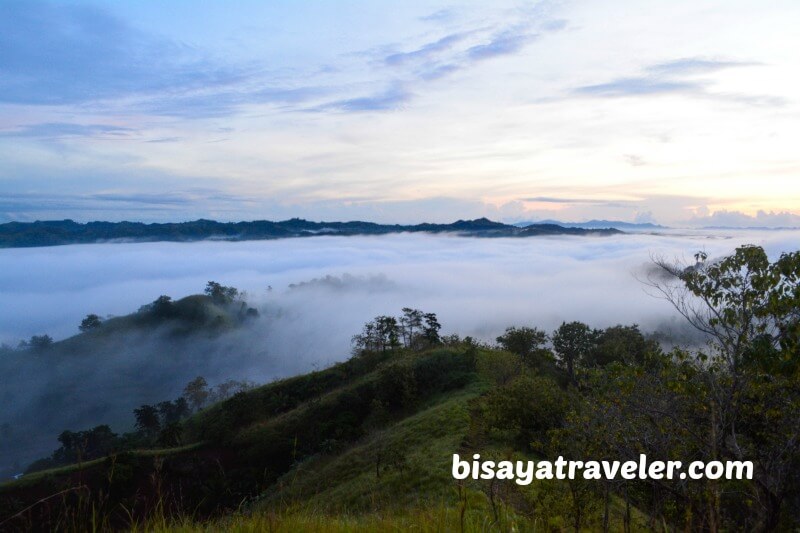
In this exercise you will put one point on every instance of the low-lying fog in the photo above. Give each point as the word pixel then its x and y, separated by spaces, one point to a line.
pixel 476 286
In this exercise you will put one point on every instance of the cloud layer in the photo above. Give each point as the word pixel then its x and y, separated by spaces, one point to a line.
pixel 313 295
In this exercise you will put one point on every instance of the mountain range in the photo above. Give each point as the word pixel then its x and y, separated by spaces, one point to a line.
pixel 52 233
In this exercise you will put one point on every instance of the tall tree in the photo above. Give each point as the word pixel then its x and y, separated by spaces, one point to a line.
pixel 572 342
pixel 196 393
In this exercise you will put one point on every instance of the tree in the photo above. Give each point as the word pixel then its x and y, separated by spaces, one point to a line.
pixel 91 321
pixel 162 307
pixel 171 412
pixel 388 332
pixel 736 300
pixel 196 393
pixel 620 344
pixel 379 335
pixel 430 332
pixel 572 342
pixel 40 342
pixel 410 323
pixel 522 341
pixel 220 294
pixel 749 307
pixel 147 420
pixel 527 408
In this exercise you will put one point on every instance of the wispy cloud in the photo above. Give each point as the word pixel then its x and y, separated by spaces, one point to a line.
pixel 509 41
pixel 696 65
pixel 426 51
pixel 679 76
pixel 441 15
pixel 51 130
pixel 392 98
pixel 638 87
pixel 585 201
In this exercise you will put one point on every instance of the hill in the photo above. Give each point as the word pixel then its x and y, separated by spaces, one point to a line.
pixel 369 443
pixel 364 444
pixel 52 233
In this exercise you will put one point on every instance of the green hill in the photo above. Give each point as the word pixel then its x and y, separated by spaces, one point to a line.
pixel 364 444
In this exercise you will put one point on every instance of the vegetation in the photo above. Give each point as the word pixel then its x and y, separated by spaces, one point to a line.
pixel 367 443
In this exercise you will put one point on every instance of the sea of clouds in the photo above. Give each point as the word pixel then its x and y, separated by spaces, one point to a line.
pixel 323 289
pixel 477 286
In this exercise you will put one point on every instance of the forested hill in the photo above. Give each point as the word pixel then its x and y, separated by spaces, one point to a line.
pixel 52 233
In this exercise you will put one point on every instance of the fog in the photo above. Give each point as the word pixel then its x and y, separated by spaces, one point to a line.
pixel 476 286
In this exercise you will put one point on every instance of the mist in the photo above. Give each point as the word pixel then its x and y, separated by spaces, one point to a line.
pixel 313 294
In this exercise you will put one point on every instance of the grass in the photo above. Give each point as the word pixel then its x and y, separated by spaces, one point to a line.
pixel 417 452
pixel 439 518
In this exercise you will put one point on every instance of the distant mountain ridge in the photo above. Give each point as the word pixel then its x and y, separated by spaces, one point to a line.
pixel 60 232
pixel 600 224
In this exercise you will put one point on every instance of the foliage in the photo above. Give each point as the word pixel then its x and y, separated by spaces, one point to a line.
pixel 91 322
pixel 572 342
pixel 220 294
pixel 414 330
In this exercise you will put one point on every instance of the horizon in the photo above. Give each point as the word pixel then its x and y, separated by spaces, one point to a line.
pixel 426 111
pixel 544 221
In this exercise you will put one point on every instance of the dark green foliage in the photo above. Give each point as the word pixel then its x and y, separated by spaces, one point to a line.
pixel 197 393
pixel 572 343
pixel 527 408
pixel 162 307
pixel 147 420
pixel 522 341
pixel 430 332
pixel 38 343
pixel 220 294
pixel 78 446
pixel 342 416
pixel 414 329
pixel 173 411
pixel 621 344
pixel 91 322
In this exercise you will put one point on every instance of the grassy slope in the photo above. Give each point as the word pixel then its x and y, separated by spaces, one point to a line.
pixel 348 481
pixel 341 491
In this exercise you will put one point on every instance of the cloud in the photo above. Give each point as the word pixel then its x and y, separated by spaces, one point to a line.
pixel 635 160
pixel 509 41
pixel 69 54
pixel 464 49
pixel 392 98
pixel 586 201
pixel 696 65
pixel 66 54
pixel 638 87
pixel 678 76
pixel 426 51
pixel 442 15
pixel 737 219
pixel 64 129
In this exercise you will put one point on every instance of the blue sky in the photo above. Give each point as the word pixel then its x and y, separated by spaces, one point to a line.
pixel 683 113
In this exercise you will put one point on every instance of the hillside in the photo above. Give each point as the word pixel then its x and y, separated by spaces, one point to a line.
pixel 365 444
pixel 52 233
pixel 101 374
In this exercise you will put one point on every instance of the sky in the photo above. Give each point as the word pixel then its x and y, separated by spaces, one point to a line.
pixel 683 113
